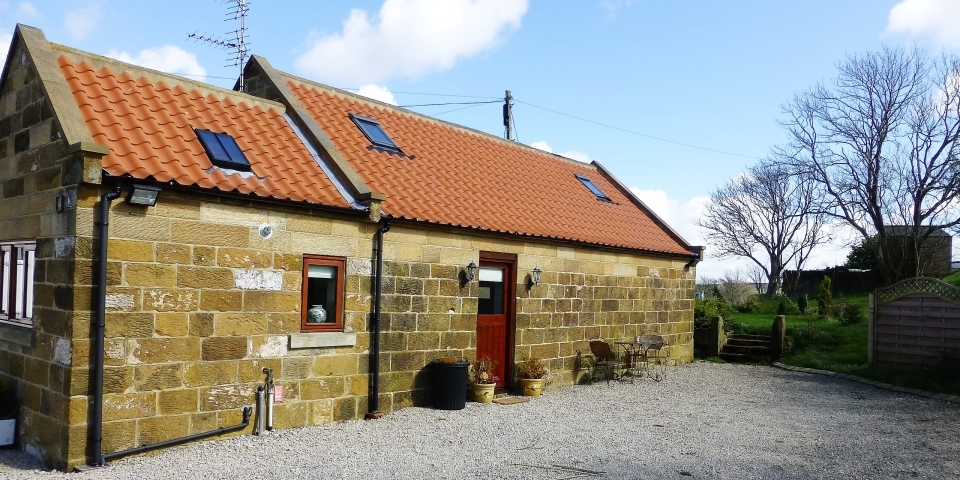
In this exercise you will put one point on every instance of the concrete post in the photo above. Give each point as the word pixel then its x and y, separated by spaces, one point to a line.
pixel 778 337
pixel 718 337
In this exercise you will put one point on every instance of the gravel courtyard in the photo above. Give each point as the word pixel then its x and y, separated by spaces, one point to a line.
pixel 704 421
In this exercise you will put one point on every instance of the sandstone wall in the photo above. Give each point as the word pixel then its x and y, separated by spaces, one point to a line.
pixel 188 335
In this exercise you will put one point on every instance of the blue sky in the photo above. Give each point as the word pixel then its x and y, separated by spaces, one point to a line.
pixel 707 74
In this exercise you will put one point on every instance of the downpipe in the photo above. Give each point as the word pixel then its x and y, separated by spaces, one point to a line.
pixel 96 435
pixel 268 385
pixel 374 410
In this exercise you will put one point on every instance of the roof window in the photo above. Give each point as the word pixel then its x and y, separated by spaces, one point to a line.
pixel 223 150
pixel 374 132
pixel 593 188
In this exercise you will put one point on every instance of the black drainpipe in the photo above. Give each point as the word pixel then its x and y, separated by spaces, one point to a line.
pixel 375 340
pixel 97 434
pixel 178 441
pixel 99 459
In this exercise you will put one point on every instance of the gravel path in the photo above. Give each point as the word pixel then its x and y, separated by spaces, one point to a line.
pixel 704 421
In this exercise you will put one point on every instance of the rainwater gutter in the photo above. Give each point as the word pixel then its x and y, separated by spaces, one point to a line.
pixel 374 412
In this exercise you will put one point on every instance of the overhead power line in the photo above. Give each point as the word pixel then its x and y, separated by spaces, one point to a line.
pixel 638 133
pixel 448 103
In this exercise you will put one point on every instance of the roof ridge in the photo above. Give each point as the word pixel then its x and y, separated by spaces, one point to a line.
pixel 404 111
pixel 157 76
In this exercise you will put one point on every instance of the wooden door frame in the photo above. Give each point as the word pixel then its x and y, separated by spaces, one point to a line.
pixel 509 307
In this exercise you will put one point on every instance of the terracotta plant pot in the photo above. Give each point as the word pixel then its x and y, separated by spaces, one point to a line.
pixel 531 387
pixel 483 392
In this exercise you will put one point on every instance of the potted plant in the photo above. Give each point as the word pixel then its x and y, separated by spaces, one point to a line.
pixel 484 380
pixel 8 413
pixel 532 373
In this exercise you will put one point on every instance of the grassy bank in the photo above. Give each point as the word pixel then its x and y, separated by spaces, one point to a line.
pixel 826 344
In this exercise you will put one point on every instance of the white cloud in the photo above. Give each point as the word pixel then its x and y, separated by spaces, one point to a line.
pixel 377 92
pixel 81 21
pixel 575 155
pixel 572 154
pixel 939 19
pixel 28 10
pixel 542 146
pixel 168 58
pixel 409 38
pixel 6 36
pixel 682 218
pixel 613 7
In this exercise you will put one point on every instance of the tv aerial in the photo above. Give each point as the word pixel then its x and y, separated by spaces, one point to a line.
pixel 235 41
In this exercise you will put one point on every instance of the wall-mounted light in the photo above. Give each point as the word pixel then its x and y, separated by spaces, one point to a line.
pixel 145 195
pixel 472 270
pixel 535 275
pixel 468 274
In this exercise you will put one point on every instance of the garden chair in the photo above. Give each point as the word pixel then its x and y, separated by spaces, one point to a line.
pixel 605 359
pixel 653 355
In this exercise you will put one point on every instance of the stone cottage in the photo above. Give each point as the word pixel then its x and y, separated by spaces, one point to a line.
pixel 339 241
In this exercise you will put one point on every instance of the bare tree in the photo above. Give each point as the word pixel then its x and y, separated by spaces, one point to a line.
pixel 769 215
pixel 881 143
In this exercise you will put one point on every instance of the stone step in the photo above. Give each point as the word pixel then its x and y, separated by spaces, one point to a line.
pixel 742 357
pixel 754 350
pixel 744 336
pixel 749 343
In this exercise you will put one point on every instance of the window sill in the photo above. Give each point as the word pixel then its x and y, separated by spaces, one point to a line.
pixel 18 335
pixel 322 340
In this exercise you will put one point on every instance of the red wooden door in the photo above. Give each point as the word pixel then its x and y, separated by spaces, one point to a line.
pixel 495 313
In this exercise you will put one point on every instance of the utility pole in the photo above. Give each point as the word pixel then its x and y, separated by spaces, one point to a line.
pixel 508 116
pixel 239 44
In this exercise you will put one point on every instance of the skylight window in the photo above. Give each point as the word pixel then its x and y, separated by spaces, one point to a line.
pixel 593 188
pixel 374 132
pixel 223 150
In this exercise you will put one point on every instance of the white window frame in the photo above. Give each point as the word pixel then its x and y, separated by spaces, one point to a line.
pixel 17 270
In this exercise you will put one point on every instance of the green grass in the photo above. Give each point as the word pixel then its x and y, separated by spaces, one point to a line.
pixel 953 279
pixel 826 344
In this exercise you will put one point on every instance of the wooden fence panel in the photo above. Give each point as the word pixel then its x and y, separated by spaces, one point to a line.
pixel 916 323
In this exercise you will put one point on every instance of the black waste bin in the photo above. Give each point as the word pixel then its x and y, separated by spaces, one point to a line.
pixel 450 384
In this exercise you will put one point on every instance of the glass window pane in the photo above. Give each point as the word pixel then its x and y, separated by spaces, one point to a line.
pixel 491 274
pixel 6 281
pixel 31 260
pixel 21 276
pixel 490 299
pixel 233 150
pixel 322 271
pixel 213 146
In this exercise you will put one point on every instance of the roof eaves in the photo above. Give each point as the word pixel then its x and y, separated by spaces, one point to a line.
pixel 551 238
pixel 314 134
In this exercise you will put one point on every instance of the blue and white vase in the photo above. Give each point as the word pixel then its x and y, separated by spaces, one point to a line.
pixel 316 314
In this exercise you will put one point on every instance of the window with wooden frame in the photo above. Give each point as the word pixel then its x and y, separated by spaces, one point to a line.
pixel 322 309
pixel 16 282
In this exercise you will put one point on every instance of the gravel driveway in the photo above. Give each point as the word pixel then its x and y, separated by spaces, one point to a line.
pixel 704 421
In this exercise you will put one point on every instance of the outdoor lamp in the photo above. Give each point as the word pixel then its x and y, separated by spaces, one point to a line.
pixel 472 270
pixel 535 275
pixel 145 195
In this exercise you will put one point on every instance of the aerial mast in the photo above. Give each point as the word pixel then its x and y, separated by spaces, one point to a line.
pixel 238 44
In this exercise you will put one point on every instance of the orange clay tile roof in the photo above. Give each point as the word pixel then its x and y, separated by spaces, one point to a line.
pixel 454 176
pixel 149 129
